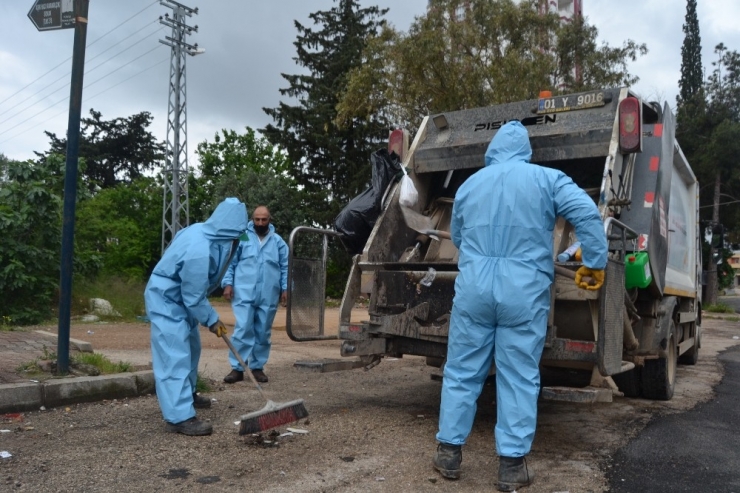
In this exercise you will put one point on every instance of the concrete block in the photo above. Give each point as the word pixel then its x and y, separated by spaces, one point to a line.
pixel 89 389
pixel 20 397
pixel 144 382
pixel 329 365
pixel 82 346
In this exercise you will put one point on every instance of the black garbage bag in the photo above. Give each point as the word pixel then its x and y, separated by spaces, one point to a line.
pixel 357 219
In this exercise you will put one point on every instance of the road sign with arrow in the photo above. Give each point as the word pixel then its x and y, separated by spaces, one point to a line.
pixel 47 15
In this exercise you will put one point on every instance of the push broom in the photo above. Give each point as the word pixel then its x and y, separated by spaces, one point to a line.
pixel 274 414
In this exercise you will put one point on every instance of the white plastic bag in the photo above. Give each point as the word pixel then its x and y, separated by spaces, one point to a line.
pixel 409 195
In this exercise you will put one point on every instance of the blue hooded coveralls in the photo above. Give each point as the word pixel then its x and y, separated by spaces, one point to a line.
pixel 258 274
pixel 502 223
pixel 176 302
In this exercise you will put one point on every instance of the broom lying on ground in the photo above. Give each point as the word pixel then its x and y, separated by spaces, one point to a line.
pixel 274 414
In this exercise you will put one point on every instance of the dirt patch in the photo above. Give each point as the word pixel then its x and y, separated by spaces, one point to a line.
pixel 367 430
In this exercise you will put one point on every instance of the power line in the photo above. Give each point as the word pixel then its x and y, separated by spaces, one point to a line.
pixel 122 66
pixel 160 62
pixel 124 39
pixel 87 86
pixel 69 58
pixel 124 22
pixel 67 84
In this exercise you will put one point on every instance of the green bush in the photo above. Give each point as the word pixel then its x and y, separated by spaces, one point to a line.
pixel 30 227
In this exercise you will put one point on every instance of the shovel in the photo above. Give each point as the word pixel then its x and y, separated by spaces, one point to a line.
pixel 421 223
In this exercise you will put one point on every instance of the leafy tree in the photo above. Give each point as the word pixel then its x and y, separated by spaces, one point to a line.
pixel 118 231
pixel 230 154
pixel 116 151
pixel 3 167
pixel 712 137
pixel 278 192
pixel 30 228
pixel 328 161
pixel 498 52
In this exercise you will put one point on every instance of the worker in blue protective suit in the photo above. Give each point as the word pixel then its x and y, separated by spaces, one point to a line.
pixel 176 302
pixel 254 282
pixel 502 223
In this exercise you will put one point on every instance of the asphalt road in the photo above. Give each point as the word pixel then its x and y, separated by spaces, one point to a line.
pixel 695 451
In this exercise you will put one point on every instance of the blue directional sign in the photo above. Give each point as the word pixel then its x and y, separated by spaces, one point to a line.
pixel 52 14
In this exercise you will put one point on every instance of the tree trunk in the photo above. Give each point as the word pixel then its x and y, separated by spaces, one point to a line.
pixel 712 284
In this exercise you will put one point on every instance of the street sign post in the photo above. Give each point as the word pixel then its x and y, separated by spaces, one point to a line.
pixel 52 14
pixel 62 14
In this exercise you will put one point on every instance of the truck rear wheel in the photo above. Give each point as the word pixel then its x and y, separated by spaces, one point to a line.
pixel 659 375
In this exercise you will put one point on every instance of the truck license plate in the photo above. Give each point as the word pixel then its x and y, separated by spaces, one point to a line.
pixel 558 104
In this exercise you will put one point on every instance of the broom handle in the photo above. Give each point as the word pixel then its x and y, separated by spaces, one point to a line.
pixel 244 366
pixel 572 275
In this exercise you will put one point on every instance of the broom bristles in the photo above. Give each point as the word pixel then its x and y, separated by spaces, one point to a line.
pixel 272 416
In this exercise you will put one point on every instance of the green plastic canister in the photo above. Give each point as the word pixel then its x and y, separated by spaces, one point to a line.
pixel 637 271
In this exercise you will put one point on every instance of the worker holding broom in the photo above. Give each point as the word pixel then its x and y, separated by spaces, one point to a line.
pixel 176 302
pixel 254 282
pixel 502 224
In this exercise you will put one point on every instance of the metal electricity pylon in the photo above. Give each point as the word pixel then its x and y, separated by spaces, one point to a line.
pixel 176 209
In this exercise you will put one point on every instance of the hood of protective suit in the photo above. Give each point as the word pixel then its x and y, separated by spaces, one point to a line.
pixel 227 222
pixel 511 143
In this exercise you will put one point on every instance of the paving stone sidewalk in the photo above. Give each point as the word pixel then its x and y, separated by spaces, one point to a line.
pixel 20 347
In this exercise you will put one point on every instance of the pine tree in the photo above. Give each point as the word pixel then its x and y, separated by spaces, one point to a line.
pixel 331 163
pixel 691 67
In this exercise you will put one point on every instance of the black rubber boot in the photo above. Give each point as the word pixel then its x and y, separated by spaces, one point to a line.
pixel 260 376
pixel 234 376
pixel 191 427
pixel 200 402
pixel 513 473
pixel 447 460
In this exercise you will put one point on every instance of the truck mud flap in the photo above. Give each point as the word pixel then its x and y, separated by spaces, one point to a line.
pixel 611 313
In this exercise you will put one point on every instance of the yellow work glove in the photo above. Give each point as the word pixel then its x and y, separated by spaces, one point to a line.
pixel 596 275
pixel 218 328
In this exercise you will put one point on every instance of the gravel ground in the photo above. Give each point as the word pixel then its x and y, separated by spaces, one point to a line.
pixel 367 430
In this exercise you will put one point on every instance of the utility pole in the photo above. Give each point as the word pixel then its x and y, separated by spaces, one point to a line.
pixel 176 209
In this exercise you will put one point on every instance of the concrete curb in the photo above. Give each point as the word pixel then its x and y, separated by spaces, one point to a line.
pixel 20 397
pixel 81 346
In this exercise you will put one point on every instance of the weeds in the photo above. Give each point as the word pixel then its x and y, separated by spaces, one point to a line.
pixel 102 363
pixel 201 384
pixel 97 360
pixel 719 308
pixel 6 323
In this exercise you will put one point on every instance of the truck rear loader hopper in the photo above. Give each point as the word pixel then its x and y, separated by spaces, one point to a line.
pixel 625 338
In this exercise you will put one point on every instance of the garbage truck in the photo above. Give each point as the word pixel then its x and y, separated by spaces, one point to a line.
pixel 624 339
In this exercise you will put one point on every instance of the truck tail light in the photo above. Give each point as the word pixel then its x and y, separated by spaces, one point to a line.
pixel 630 126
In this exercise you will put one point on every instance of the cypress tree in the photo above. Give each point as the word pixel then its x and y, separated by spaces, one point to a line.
pixel 691 67
pixel 330 162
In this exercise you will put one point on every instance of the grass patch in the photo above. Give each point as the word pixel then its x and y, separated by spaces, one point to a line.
pixel 202 384
pixel 719 308
pixel 126 297
pixel 102 363
pixel 732 319
pixel 87 363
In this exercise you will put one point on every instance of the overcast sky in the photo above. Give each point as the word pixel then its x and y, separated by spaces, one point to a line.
pixel 248 44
